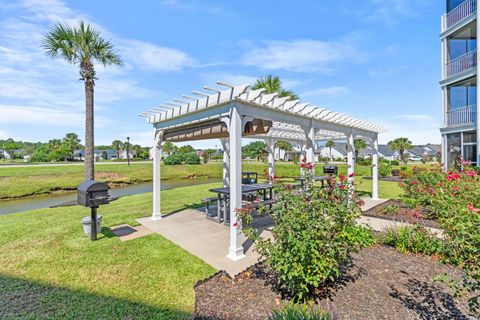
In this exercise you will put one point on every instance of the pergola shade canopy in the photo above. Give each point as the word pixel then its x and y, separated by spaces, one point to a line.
pixel 234 112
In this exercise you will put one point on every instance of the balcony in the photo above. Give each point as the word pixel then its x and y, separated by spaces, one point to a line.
pixel 461 64
pixel 457 15
pixel 463 116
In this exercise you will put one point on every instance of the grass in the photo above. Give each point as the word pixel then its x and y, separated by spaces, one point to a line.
pixel 26 181
pixel 46 262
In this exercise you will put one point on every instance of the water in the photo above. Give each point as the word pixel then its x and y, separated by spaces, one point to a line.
pixel 45 201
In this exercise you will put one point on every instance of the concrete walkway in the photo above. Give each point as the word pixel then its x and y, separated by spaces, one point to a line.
pixel 209 240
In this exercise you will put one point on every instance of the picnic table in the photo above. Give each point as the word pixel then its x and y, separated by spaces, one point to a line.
pixel 223 197
pixel 315 178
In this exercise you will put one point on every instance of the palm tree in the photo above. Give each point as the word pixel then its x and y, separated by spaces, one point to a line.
pixel 118 146
pixel 82 45
pixel 72 142
pixel 285 146
pixel 330 144
pixel 401 145
pixel 273 84
pixel 359 144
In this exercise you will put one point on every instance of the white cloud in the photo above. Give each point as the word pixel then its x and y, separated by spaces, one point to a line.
pixel 386 71
pixel 392 11
pixel 149 56
pixel 301 55
pixel 419 128
pixel 3 135
pixel 327 92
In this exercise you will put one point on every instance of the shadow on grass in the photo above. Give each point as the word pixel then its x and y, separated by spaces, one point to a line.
pixel 25 299
pixel 185 207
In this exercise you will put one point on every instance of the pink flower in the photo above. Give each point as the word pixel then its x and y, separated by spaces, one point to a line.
pixel 235 224
pixel 414 182
pixel 471 173
pixel 472 208
pixel 453 176
pixel 342 187
pixel 351 175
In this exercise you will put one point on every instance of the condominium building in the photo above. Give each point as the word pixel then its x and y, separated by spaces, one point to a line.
pixel 460 127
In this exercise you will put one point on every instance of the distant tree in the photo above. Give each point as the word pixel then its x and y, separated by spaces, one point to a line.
pixel 137 149
pixel 273 84
pixel 72 142
pixel 117 145
pixel 57 150
pixel 401 145
pixel 104 155
pixel 330 144
pixel 169 148
pixel 254 150
pixel 82 45
pixel 359 144
pixel 285 146
pixel 186 149
pixel 10 146
pixel 143 153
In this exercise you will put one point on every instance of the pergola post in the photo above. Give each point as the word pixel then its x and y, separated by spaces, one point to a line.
pixel 226 162
pixel 271 159
pixel 157 159
pixel 235 250
pixel 375 169
pixel 302 158
pixel 350 160
pixel 310 133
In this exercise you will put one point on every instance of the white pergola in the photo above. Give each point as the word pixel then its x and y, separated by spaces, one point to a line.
pixel 230 112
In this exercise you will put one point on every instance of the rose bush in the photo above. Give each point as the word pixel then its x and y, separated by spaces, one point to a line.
pixel 453 198
pixel 314 232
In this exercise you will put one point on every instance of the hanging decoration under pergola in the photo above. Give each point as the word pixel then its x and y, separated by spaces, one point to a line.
pixel 231 112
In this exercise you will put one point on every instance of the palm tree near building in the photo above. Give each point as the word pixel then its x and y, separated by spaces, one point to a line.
pixel 401 145
pixel 330 144
pixel 82 45
pixel 285 146
pixel 359 144
pixel 118 146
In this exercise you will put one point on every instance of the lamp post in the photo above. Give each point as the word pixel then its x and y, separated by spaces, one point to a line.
pixel 128 151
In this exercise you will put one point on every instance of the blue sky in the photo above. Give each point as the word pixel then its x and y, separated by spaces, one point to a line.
pixel 374 59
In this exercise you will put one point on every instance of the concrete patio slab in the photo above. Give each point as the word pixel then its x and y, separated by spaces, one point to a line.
pixel 203 238
pixel 209 240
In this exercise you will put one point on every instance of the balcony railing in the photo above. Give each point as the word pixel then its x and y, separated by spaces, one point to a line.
pixel 461 12
pixel 462 116
pixel 462 63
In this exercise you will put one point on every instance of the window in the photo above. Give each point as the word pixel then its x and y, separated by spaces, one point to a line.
pixel 462 95
pixel 452 4
pixel 469 137
pixel 454 149
pixel 462 41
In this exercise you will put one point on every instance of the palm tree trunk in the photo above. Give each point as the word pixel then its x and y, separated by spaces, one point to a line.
pixel 89 142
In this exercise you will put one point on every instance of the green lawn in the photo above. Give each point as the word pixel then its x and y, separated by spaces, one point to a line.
pixel 48 269
pixel 26 181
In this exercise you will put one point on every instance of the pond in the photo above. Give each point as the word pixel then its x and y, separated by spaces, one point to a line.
pixel 51 200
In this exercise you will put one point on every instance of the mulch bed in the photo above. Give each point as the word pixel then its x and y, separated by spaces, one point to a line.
pixel 379 283
pixel 404 214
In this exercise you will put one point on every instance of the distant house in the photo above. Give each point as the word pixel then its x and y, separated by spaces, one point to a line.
pixel 5 154
pixel 110 154
pixel 415 154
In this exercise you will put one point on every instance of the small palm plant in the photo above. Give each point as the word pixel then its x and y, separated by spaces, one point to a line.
pixel 82 45
pixel 330 144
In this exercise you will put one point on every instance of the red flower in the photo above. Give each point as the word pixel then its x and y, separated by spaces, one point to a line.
pixel 453 176
pixel 342 187
pixel 414 182
pixel 303 165
pixel 235 224
pixel 351 175
pixel 342 178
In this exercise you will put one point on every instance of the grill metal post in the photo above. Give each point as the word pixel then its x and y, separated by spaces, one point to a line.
pixel 93 224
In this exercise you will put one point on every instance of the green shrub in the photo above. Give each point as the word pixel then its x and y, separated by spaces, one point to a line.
pixel 384 169
pixel 395 162
pixel 416 239
pixel 365 162
pixel 173 159
pixel 192 158
pixel 403 168
pixel 293 311
pixel 314 232
pixel 390 209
